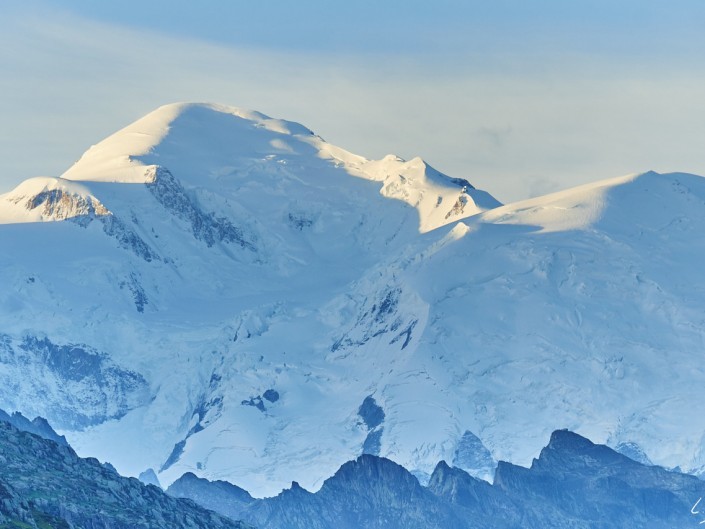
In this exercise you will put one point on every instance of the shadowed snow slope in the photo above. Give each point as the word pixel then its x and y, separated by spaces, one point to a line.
pixel 230 295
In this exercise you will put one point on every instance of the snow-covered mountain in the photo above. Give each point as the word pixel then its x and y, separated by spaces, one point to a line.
pixel 215 291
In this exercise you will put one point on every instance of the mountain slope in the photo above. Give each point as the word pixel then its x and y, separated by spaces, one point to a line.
pixel 45 484
pixel 221 293
pixel 213 145
pixel 573 483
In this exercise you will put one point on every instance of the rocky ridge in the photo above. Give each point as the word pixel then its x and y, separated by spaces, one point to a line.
pixel 44 485
pixel 573 483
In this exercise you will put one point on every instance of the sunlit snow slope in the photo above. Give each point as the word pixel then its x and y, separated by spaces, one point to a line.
pixel 228 294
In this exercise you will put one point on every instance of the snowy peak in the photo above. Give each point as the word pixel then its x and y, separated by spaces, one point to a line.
pixel 45 199
pixel 179 132
pixel 652 198
pixel 439 198
pixel 256 260
pixel 214 147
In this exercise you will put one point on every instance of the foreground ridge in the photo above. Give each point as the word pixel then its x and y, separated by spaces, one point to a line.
pixel 45 484
pixel 574 483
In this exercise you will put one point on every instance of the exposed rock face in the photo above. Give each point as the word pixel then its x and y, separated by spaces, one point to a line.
pixel 219 496
pixel 369 492
pixel 206 227
pixel 13 509
pixel 372 415
pixel 38 426
pixel 593 486
pixel 58 204
pixel 87 388
pixel 473 456
pixel 574 483
pixel 149 477
pixel 46 485
pixel 126 236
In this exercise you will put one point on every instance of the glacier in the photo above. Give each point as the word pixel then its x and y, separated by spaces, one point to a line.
pixel 156 296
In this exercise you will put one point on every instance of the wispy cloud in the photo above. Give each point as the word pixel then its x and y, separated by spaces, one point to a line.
pixel 508 122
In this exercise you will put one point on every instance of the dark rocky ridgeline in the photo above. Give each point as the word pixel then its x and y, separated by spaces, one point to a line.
pixel 220 496
pixel 475 501
pixel 45 485
pixel 573 484
pixel 38 426
pixel 368 493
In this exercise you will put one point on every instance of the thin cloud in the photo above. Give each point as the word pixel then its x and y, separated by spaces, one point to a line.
pixel 68 82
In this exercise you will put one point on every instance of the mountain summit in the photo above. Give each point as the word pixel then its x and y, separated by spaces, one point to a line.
pixel 213 291
pixel 211 146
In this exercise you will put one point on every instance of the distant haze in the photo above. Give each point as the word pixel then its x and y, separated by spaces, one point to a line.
pixel 519 98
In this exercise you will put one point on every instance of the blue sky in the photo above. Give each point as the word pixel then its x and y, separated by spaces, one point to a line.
pixel 520 97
